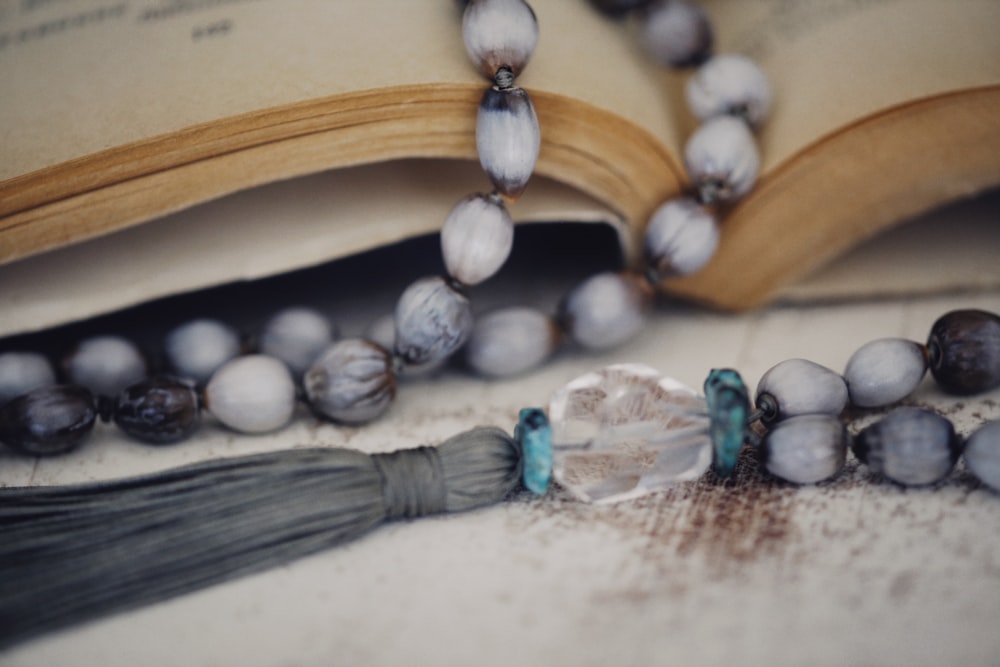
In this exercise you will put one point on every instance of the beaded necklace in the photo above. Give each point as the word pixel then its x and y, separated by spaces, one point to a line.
pixel 639 416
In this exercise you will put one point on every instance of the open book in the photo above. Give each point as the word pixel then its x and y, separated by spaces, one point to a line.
pixel 115 114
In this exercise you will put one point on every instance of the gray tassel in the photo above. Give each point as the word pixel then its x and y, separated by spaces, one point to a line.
pixel 72 553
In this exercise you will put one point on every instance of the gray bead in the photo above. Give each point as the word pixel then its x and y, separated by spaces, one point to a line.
pixel 507 138
pixel 20 372
pixel 433 319
pixel 511 341
pixel 681 238
pixel 884 371
pixel 982 454
pixel 910 446
pixel 729 84
pixel 382 332
pixel 252 394
pixel 296 336
pixel 105 365
pixel 677 33
pixel 499 33
pixel 476 238
pixel 801 387
pixel 605 310
pixel 352 382
pixel 721 159
pixel 805 449
pixel 196 349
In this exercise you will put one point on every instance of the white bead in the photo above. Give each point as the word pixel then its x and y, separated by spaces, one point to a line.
pixel 352 381
pixel 805 449
pixel 982 454
pixel 433 320
pixel 296 336
pixel 721 159
pixel 884 371
pixel 251 394
pixel 476 238
pixel 510 341
pixel 20 372
pixel 677 33
pixel 197 348
pixel 499 33
pixel 681 238
pixel 910 446
pixel 508 138
pixel 801 387
pixel 106 364
pixel 729 84
pixel 605 310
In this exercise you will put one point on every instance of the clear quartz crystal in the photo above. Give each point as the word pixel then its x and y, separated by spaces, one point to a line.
pixel 626 431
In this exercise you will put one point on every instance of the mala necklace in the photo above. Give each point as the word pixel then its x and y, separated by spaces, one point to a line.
pixel 70 553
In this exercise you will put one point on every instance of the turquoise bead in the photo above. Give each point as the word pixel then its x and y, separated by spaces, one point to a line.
pixel 535 435
pixel 728 408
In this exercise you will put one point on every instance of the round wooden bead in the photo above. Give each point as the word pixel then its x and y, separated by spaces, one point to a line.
pixel 196 349
pixel 884 371
pixel 605 310
pixel 681 238
pixel 352 382
pixel 105 365
pixel 721 159
pixel 158 410
pixel 476 238
pixel 48 420
pixel 729 84
pixel 499 33
pixel 507 138
pixel 511 341
pixel 297 336
pixel 964 348
pixel 982 454
pixel 800 387
pixel 433 319
pixel 910 446
pixel 20 372
pixel 677 33
pixel 805 449
pixel 251 394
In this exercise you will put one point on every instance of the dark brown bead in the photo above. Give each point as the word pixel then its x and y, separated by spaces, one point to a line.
pixel 160 410
pixel 964 348
pixel 49 420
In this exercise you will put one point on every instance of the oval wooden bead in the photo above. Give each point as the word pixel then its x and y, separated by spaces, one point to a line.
pixel 158 410
pixel 20 372
pixel 681 238
pixel 507 138
pixel 105 364
pixel 476 238
pixel 251 394
pixel 910 446
pixel 499 33
pixel 884 371
pixel 48 420
pixel 677 33
pixel 964 348
pixel 196 349
pixel 511 341
pixel 297 336
pixel 721 159
pixel 805 449
pixel 352 382
pixel 801 387
pixel 982 454
pixel 605 310
pixel 729 84
pixel 433 319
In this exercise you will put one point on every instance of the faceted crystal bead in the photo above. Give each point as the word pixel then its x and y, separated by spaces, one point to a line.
pixel 626 431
